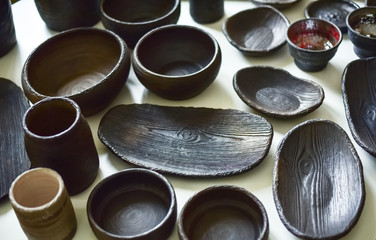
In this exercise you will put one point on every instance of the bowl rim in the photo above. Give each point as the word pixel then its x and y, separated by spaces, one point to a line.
pixel 316 3
pixel 349 26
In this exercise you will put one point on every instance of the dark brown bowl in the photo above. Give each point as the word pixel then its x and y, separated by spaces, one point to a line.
pixel 177 61
pixel 132 19
pixel 134 204
pixel 223 212
pixel 258 31
pixel 87 65
pixel 279 4
pixel 276 92
pixel 318 183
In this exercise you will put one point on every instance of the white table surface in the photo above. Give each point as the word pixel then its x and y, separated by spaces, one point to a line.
pixel 31 31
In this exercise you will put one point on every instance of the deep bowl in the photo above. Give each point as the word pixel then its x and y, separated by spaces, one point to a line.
pixel 313 42
pixel 177 61
pixel 361 25
pixel 87 65
pixel 132 19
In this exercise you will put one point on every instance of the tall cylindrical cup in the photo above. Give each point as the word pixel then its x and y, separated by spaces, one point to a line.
pixel 7 31
pixel 206 11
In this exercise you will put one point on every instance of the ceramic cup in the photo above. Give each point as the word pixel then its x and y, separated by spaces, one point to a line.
pixel 206 11
pixel 42 205
pixel 7 32
pixel 57 136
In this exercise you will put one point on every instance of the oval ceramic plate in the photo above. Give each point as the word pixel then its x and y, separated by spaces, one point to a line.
pixel 276 92
pixel 359 98
pixel 318 184
pixel 185 140
pixel 334 11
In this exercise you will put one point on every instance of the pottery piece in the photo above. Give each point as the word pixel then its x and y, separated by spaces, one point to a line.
pixel 88 65
pixel 7 32
pixel 206 11
pixel 136 204
pixel 183 140
pixel 223 212
pixel 177 61
pixel 279 4
pixel 370 3
pixel 13 105
pixel 318 183
pixel 42 205
pixel 57 136
pixel 257 31
pixel 132 19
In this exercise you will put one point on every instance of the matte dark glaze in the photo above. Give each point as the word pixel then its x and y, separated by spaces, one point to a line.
pixel 177 61
pixel 135 204
pixel 223 212
pixel 258 31
pixel 186 141
pixel 279 4
pixel 132 19
pixel 14 159
pixel 358 92
pixel 7 32
pixel 88 65
pixel 318 183
pixel 206 11
pixel 276 92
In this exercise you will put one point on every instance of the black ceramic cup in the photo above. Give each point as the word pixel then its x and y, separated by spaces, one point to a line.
pixel 7 33
pixel 206 11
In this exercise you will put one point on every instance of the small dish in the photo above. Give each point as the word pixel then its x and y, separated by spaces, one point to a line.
pixel 183 140
pixel 279 4
pixel 334 11
pixel 318 183
pixel 223 212
pixel 137 204
pixel 359 101
pixel 276 92
pixel 256 32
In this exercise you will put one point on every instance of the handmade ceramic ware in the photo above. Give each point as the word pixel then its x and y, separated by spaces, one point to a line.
pixel 132 19
pixel 42 205
pixel 177 61
pixel 183 140
pixel 223 212
pixel 134 204
pixel 370 3
pixel 7 32
pixel 206 11
pixel 312 43
pixel 87 65
pixel 318 183
pixel 257 31
pixel 279 4
pixel 276 92
pixel 57 136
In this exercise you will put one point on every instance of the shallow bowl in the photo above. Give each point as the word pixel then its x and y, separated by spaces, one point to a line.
pixel 279 4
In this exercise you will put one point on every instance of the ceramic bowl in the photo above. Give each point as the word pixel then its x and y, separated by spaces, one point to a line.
pixel 312 43
pixel 177 61
pixel 87 65
pixel 223 212
pixel 279 4
pixel 134 204
pixel 258 31
pixel 132 19
pixel 361 25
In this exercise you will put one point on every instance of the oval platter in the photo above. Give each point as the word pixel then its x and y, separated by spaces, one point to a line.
pixel 186 141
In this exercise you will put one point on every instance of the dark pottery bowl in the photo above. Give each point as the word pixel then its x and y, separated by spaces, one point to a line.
pixel 318 183
pixel 132 19
pixel 87 65
pixel 361 25
pixel 223 212
pixel 258 31
pixel 370 3
pixel 312 43
pixel 135 204
pixel 359 101
pixel 276 92
pixel 177 61
pixel 334 11
pixel 279 4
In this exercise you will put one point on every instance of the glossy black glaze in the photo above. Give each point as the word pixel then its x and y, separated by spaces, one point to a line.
pixel 206 11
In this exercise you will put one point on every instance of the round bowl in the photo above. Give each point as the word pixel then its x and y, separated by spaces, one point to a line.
pixel 177 61
pixel 361 25
pixel 132 204
pixel 223 212
pixel 132 19
pixel 87 65
pixel 312 43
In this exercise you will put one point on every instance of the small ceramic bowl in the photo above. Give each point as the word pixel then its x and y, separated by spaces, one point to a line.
pixel 132 19
pixel 87 65
pixel 313 42
pixel 177 61
pixel 258 31
pixel 223 212
pixel 279 4
pixel 132 204
pixel 361 25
